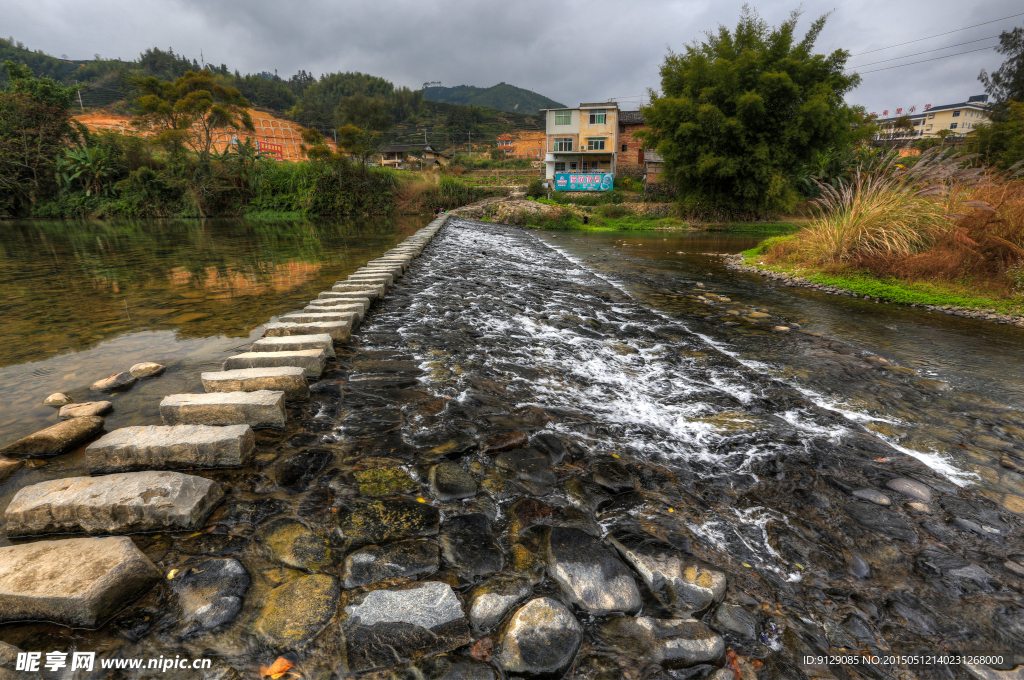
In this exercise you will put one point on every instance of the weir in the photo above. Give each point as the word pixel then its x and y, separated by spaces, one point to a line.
pixel 500 462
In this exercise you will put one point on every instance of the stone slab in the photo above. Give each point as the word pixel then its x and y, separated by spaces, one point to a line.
pixel 120 503
pixel 312 361
pixel 56 439
pixel 386 279
pixel 288 379
pixel 174 447
pixel 296 343
pixel 77 582
pixel 343 290
pixel 355 299
pixel 256 409
pixel 340 331
pixel 328 314
pixel 394 271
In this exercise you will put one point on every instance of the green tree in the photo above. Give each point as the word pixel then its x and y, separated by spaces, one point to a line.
pixel 1007 82
pixel 742 111
pixel 366 113
pixel 191 110
pixel 35 128
pixel 363 144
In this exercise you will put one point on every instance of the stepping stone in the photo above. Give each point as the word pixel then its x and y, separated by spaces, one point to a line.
pixel 340 331
pixel 77 582
pixel 56 439
pixel 288 379
pixel 147 369
pixel 345 290
pixel 161 447
pixel 57 399
pixel 372 279
pixel 395 271
pixel 255 409
pixel 356 300
pixel 118 381
pixel 317 317
pixel 356 308
pixel 86 408
pixel 295 343
pixel 312 361
pixel 113 504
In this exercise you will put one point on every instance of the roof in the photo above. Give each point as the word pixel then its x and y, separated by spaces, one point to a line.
pixel 631 117
pixel 976 105
pixel 404 148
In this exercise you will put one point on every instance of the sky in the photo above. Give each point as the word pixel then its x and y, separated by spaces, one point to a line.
pixel 572 51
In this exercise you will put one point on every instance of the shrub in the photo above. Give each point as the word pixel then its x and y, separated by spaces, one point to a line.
pixel 612 210
pixel 535 189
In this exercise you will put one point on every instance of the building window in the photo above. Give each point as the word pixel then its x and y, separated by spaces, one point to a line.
pixel 560 167
pixel 573 167
pixel 952 126
pixel 956 114
pixel 931 115
pixel 623 148
pixel 563 143
pixel 595 143
pixel 563 117
pixel 598 116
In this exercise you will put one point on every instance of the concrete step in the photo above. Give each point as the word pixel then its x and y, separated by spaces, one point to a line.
pixel 312 361
pixel 323 314
pixel 394 272
pixel 403 261
pixel 175 447
pixel 295 343
pixel 121 503
pixel 288 379
pixel 343 290
pixel 340 331
pixel 357 306
pixel 76 582
pixel 374 278
pixel 255 409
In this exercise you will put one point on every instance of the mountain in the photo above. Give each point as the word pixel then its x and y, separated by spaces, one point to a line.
pixel 502 96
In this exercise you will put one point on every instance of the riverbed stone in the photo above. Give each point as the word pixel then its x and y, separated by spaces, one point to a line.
pixel 680 582
pixel 505 441
pixel 589 574
pixel 295 472
pixel 113 504
pixel 612 476
pixel 387 520
pixel 672 643
pixel 57 399
pixel 209 594
pixel 78 582
pixel 118 381
pixel 261 409
pixel 385 627
pixel 147 369
pixel 312 361
pixel 440 667
pixel 8 466
pixel 290 543
pixel 294 614
pixel 294 343
pixel 910 488
pixel 86 408
pixel 872 496
pixel 401 559
pixel 736 619
pixel 529 467
pixel 339 331
pixel 56 439
pixel 449 482
pixel 469 545
pixel 175 447
pixel 491 600
pixel 288 379
pixel 540 638
pixel 882 520
pixel 384 481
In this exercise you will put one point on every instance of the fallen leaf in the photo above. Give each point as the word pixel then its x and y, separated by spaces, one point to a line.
pixel 277 669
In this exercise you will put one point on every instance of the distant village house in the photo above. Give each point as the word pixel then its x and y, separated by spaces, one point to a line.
pixel 407 155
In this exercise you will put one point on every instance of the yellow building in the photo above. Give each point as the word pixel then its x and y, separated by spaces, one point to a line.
pixel 960 119
pixel 581 141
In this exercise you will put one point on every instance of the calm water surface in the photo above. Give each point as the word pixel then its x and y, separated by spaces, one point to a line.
pixel 83 300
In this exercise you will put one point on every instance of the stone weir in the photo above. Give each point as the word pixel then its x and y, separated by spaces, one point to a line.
pixel 511 469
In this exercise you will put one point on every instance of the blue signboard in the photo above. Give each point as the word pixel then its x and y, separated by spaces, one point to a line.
pixel 585 181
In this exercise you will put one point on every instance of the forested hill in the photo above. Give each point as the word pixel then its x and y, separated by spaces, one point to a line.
pixel 502 96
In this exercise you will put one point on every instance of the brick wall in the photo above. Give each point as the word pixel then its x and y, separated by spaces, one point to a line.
pixel 632 156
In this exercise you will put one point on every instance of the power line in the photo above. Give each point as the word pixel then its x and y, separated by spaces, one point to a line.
pixel 888 68
pixel 937 35
pixel 937 49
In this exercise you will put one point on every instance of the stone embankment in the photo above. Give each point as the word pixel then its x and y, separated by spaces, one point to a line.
pixel 736 262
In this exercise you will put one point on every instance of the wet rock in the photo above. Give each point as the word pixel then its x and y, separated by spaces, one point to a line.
pixel 384 481
pixel 919 508
pixel 209 594
pixel 612 476
pixel 526 563
pixel 910 488
pixel 957 574
pixel 295 472
pixel 402 559
pixel 504 441
pixel 261 409
pixel 449 482
pixel 161 447
pixel 680 582
pixel 977 513
pixel 8 467
pixel 57 399
pixel 387 520
pixel 294 614
pixel 290 543
pixel 589 574
pixel 530 468
pixel 859 567
pixel 884 521
pixel 585 494
pixel 736 619
pixel 212 545
pixel 872 496
pixel 540 638
pixel 453 449
pixel 812 499
pixel 56 439
pixel 249 511
pixel 118 381
pixel 78 582
pixel 550 445
pixel 86 408
pixel 113 504
pixel 147 369
pixel 669 642
pixel 288 379
pixel 440 667
pixel 390 626
pixel 490 601
pixel 469 545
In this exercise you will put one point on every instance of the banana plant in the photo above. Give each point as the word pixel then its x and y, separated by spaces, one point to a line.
pixel 87 168
pixel 240 159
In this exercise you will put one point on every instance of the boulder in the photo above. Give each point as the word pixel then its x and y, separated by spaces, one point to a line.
pixel 57 399
pixel 387 520
pixel 56 439
pixel 113 504
pixel 540 638
pixel 78 582
pixel 290 543
pixel 209 594
pixel 294 614
pixel 147 369
pixel 449 482
pixel 469 545
pixel 589 575
pixel 673 643
pixel 85 409
pixel 118 381
pixel 490 601
pixel 401 559
pixel 385 627
pixel 175 447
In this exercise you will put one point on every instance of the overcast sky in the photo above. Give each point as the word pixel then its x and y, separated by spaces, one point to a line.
pixel 570 50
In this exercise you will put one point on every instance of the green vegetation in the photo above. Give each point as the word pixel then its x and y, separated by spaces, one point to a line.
pixel 502 96
pixel 608 219
pixel 753 227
